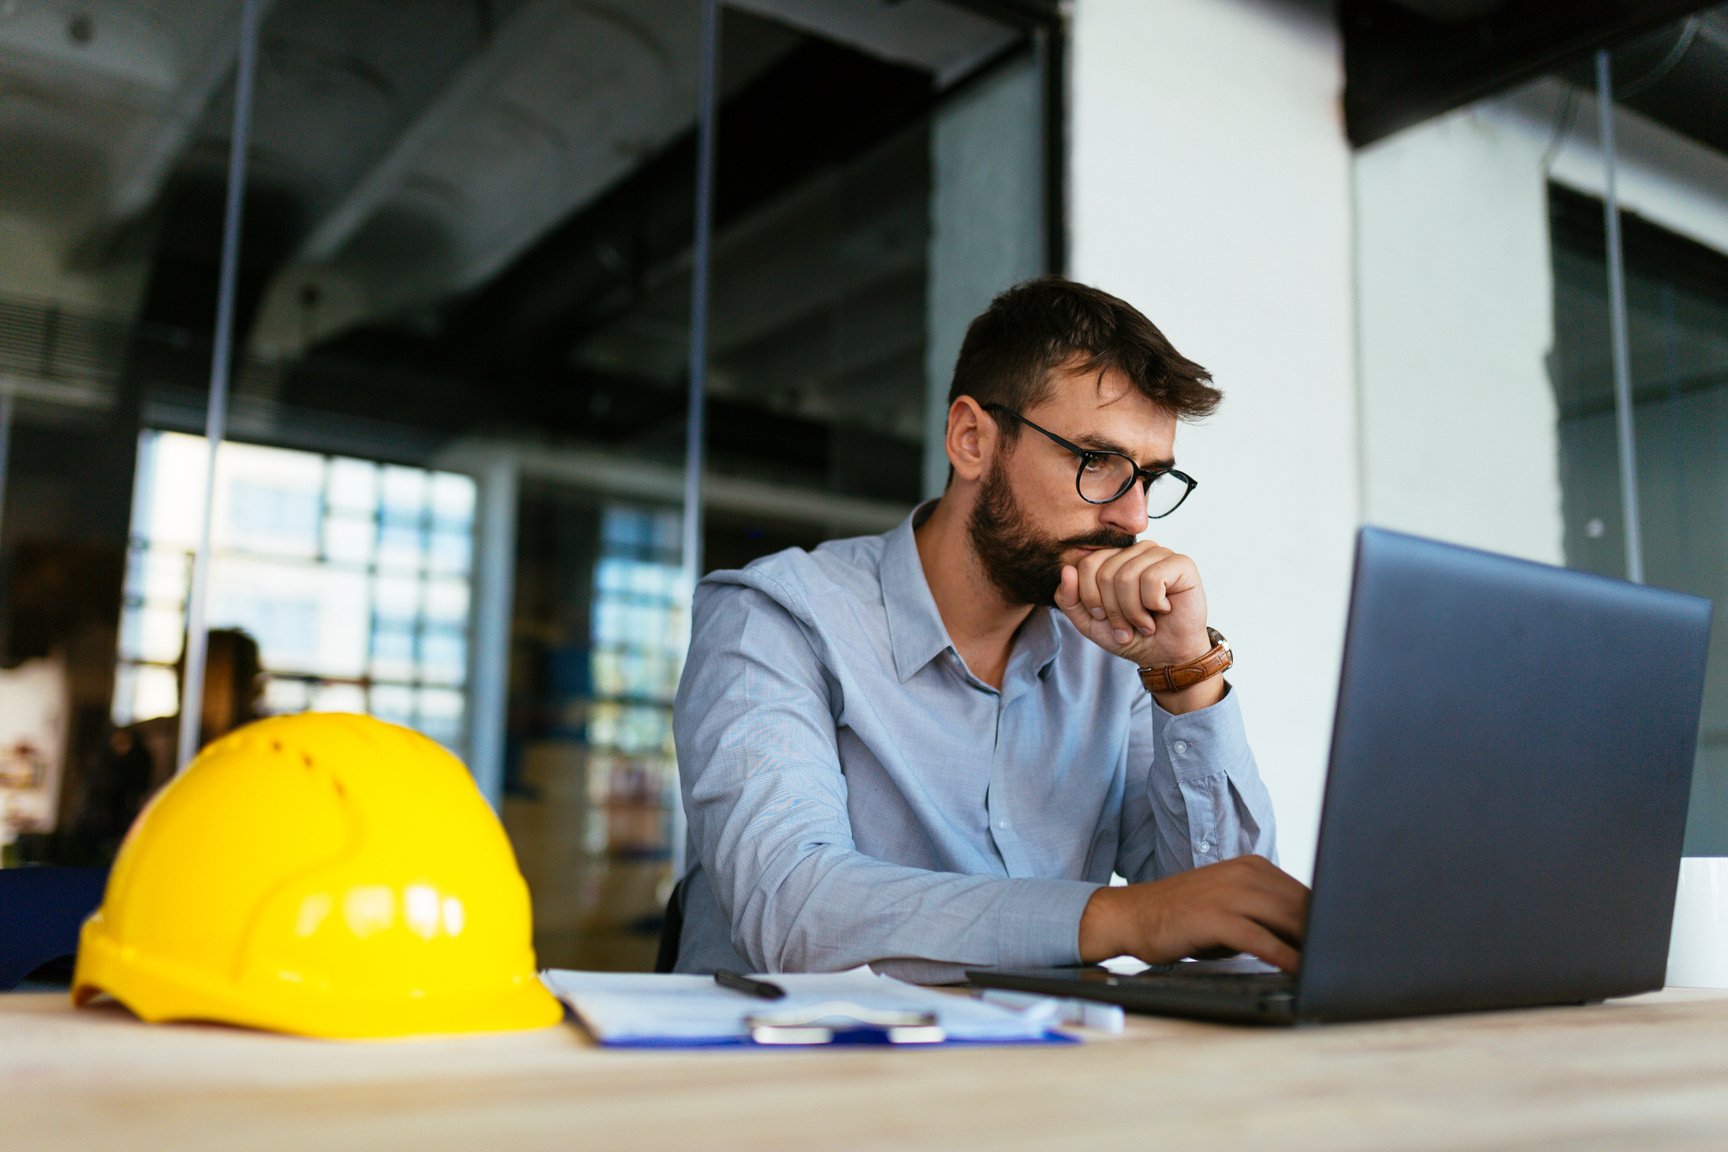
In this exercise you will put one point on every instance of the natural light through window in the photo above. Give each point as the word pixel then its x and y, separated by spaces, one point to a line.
pixel 352 575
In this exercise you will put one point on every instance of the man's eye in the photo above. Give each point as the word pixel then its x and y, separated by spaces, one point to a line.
pixel 1091 462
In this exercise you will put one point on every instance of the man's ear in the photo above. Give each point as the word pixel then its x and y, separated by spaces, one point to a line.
pixel 972 438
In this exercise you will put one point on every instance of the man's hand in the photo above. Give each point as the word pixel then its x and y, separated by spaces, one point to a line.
pixel 1143 603
pixel 1247 904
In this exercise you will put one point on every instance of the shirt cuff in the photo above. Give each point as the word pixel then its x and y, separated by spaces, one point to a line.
pixel 1039 922
pixel 1036 925
pixel 1202 743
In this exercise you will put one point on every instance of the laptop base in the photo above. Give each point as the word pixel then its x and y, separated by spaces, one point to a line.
pixel 1235 997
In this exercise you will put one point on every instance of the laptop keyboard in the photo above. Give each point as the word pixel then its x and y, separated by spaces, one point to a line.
pixel 1248 985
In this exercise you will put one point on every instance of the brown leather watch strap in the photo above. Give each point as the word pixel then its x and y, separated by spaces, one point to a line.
pixel 1175 677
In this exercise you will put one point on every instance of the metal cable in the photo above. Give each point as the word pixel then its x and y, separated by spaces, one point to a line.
pixel 701 255
pixel 1617 328
pixel 216 419
pixel 5 444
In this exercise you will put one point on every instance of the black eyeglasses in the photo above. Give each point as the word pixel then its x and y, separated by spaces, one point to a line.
pixel 1107 476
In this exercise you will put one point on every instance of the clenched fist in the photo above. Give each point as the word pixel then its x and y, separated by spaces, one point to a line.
pixel 1143 603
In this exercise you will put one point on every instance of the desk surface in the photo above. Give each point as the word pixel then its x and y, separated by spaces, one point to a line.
pixel 1650 1072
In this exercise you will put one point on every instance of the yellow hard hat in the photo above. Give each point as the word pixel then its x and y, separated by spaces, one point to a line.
pixel 320 874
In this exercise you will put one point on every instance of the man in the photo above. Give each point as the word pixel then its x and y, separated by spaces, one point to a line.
pixel 928 750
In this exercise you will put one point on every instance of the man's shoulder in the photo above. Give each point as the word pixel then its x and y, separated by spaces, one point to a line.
pixel 847 570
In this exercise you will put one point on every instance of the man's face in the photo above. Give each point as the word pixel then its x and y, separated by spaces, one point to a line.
pixel 1029 519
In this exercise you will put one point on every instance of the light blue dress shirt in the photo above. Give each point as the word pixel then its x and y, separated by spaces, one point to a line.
pixel 856 796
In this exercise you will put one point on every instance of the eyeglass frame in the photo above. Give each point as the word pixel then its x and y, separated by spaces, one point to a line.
pixel 1146 476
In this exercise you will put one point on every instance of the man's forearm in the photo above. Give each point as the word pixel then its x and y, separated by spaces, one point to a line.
pixel 838 909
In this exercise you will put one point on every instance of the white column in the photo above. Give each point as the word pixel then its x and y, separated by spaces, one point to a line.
pixel 1457 320
pixel 1210 185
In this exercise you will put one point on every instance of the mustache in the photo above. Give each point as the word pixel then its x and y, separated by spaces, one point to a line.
pixel 1103 538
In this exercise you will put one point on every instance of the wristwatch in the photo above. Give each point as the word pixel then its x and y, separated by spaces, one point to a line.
pixel 1175 677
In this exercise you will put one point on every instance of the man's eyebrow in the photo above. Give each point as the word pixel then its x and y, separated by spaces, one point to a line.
pixel 1100 444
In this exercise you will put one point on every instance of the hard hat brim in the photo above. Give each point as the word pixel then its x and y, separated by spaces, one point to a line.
pixel 155 993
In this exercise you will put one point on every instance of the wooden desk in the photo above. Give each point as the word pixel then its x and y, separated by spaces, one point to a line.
pixel 1651 1072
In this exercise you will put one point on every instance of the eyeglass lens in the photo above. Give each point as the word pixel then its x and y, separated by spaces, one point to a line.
pixel 1105 477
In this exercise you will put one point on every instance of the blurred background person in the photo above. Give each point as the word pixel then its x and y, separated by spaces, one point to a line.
pixel 140 758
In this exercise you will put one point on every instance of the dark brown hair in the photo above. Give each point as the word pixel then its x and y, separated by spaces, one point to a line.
pixel 1039 326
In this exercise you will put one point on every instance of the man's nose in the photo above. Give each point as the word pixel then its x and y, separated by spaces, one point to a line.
pixel 1127 513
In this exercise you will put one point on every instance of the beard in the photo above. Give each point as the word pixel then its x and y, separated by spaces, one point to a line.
pixel 1023 563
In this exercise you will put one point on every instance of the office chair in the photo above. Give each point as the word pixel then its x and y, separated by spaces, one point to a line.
pixel 672 931
pixel 42 907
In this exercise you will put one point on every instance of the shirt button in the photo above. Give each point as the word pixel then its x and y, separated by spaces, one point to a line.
pixel 1181 747
pixel 1002 825
pixel 1205 845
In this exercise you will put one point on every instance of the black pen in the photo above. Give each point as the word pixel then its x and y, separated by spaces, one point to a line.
pixel 749 985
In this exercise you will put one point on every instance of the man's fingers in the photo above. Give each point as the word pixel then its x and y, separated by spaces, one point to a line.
pixel 1144 599
pixel 1122 590
pixel 1154 590
pixel 1256 940
pixel 1086 582
pixel 1273 880
pixel 1131 593
pixel 1277 913
pixel 1067 600
pixel 1068 590
pixel 1251 890
pixel 1270 896
pixel 1110 598
pixel 1119 582
pixel 1244 904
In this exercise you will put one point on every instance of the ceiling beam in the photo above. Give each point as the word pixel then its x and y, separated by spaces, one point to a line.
pixel 627 475
pixel 518 35
pixel 1402 67
pixel 141 174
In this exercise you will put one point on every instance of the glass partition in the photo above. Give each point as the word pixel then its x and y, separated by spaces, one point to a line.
pixel 1485 331
pixel 107 293
pixel 450 489
pixel 1672 179
pixel 463 192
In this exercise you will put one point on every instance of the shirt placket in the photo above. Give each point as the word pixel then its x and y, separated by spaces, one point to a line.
pixel 1005 753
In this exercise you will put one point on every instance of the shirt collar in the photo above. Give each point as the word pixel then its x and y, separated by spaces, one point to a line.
pixel 1035 649
pixel 916 633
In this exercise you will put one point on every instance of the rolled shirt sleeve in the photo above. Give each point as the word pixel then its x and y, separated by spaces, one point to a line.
pixel 1195 796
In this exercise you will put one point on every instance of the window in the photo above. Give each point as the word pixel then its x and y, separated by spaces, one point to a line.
pixel 352 575
pixel 1677 319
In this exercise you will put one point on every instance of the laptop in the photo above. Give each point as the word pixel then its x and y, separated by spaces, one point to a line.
pixel 1505 805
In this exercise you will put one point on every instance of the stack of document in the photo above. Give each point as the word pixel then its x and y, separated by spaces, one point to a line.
pixel 634 1010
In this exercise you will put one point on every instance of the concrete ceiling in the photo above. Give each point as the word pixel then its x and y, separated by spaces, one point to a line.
pixel 419 146
pixel 943 40
pixel 1678 76
pixel 100 99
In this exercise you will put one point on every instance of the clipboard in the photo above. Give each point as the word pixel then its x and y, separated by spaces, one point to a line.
pixel 638 1010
